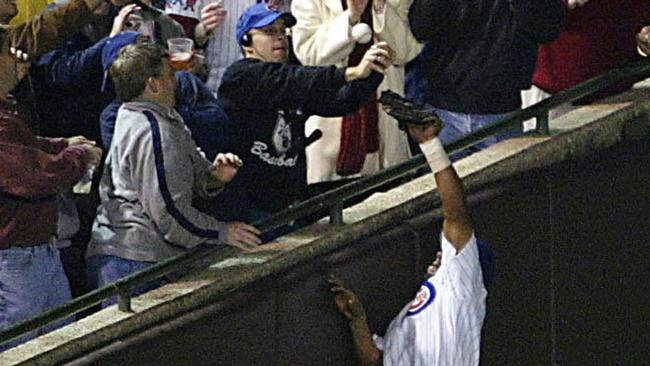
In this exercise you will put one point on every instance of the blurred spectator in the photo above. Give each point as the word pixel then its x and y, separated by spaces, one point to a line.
pixel 138 224
pixel 8 10
pixel 328 33
pixel 66 94
pixel 223 49
pixel 199 22
pixel 198 18
pixel 478 57
pixel 66 101
pixel 154 24
pixel 269 100
pixel 146 19
pixel 598 35
pixel 34 171
pixel 27 9
pixel 72 76
pixel 186 13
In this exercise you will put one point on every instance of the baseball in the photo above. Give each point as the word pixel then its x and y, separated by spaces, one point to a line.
pixel 361 33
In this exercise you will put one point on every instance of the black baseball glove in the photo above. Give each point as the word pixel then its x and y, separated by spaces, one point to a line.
pixel 405 111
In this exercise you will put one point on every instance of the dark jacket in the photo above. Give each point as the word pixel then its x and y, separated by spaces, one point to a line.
pixel 70 76
pixel 269 104
pixel 480 54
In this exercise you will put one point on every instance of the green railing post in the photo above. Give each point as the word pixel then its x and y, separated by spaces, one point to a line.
pixel 542 123
pixel 124 301
pixel 336 215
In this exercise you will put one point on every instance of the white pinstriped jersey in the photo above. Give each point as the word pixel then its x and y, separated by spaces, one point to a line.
pixel 442 325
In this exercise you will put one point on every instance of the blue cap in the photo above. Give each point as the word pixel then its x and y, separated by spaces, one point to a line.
pixel 112 49
pixel 259 16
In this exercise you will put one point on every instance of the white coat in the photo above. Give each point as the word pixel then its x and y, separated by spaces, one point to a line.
pixel 322 36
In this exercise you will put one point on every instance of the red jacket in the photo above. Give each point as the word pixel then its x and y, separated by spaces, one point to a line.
pixel 33 170
pixel 596 38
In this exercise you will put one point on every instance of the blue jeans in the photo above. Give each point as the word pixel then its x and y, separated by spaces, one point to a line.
pixel 32 281
pixel 461 124
pixel 106 269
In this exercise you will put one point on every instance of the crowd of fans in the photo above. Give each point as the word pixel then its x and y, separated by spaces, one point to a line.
pixel 272 101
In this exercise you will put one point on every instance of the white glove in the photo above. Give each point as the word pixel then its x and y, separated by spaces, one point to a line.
pixel 572 4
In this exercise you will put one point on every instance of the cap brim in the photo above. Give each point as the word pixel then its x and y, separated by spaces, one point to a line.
pixel 289 20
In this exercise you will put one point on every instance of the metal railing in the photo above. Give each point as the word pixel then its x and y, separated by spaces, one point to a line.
pixel 334 200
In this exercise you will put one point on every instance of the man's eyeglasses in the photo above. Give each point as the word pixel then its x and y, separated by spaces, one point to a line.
pixel 272 32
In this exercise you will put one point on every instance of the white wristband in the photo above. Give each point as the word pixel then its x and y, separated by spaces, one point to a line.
pixel 435 154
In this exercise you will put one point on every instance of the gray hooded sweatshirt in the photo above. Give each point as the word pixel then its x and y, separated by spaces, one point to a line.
pixel 152 171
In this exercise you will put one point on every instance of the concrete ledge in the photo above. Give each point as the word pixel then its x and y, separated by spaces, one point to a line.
pixel 577 134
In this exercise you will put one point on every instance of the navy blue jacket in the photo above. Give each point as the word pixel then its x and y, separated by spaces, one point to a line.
pixel 67 89
pixel 269 103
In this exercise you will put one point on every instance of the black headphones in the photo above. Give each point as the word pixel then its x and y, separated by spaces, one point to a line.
pixel 246 40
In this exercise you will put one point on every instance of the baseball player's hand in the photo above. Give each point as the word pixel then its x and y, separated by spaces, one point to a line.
pixel 225 167
pixel 242 236
pixel 423 133
pixel 643 40
pixel 347 301
pixel 433 268
pixel 378 58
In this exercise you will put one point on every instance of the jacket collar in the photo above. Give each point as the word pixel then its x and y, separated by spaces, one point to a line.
pixel 143 104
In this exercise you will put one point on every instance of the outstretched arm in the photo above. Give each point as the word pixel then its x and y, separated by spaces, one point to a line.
pixel 349 304
pixel 321 90
pixel 457 227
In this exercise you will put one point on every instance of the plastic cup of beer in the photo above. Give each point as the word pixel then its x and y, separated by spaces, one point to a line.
pixel 181 51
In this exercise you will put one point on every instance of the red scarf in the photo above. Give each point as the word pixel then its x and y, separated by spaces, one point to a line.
pixel 359 131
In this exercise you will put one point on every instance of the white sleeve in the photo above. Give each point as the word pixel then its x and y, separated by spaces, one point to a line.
pixel 393 28
pixel 462 269
pixel 318 41
pixel 398 344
